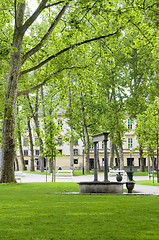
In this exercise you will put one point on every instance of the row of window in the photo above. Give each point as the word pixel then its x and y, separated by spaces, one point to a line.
pixel 130 144
pixel 130 162
pixel 37 152
pixel 26 141
pixel 27 162
pixel 60 124
pixel 75 152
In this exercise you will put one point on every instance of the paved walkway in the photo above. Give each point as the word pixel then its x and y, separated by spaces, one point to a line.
pixel 143 189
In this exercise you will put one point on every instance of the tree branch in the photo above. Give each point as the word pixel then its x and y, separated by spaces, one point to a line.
pixel 25 92
pixel 34 16
pixel 54 4
pixel 141 32
pixel 65 50
pixel 31 108
pixel 46 36
pixel 15 10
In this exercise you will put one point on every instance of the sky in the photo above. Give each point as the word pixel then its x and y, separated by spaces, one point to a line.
pixel 32 5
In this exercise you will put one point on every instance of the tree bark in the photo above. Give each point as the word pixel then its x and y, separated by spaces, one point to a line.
pixel 121 156
pixel 8 143
pixel 117 155
pixel 17 164
pixel 20 147
pixel 37 128
pixel 112 148
pixel 142 165
pixel 31 147
pixel 71 129
pixel 86 135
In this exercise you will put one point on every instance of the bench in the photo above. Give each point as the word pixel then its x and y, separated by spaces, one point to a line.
pixel 18 175
pixel 64 174
pixel 115 172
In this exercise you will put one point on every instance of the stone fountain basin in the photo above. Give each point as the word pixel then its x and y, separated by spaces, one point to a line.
pixel 100 187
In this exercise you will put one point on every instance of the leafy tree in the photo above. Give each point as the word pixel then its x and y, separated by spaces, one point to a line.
pixel 25 48
pixel 148 129
pixel 57 47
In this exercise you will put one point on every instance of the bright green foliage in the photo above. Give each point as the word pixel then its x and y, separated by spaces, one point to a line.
pixel 122 64
pixel 148 125
pixel 51 137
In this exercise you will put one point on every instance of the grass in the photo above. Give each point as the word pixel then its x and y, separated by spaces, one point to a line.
pixel 37 172
pixel 36 211
pixel 142 174
pixel 79 173
pixel 147 182
pixel 76 172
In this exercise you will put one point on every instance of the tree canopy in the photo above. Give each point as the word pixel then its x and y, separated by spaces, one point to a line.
pixel 43 46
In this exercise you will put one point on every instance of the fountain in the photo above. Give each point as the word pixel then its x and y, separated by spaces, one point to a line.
pixel 96 186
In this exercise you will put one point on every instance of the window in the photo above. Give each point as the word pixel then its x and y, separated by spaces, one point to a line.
pixel 37 152
pixel 75 161
pixel 91 146
pixel 59 141
pixel 75 141
pixel 25 152
pixel 129 124
pixel 60 152
pixel 60 124
pixel 130 161
pixel 25 141
pixel 102 144
pixel 116 162
pixel 75 151
pixel 36 141
pixel 26 162
pixel 130 143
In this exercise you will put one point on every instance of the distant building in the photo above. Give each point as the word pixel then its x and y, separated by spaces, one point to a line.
pixel 63 160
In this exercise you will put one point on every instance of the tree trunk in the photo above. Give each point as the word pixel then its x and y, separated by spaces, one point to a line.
pixel 16 162
pixel 8 143
pixel 31 147
pixel 87 148
pixel 37 129
pixel 112 148
pixel 142 165
pixel 117 155
pixel 20 142
pixel 86 136
pixel 71 150
pixel 71 129
pixel 121 156
pixel 20 147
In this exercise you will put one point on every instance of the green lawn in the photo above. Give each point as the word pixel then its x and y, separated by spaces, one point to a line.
pixel 39 211
pixel 142 174
pixel 79 173
pixel 76 172
pixel 148 182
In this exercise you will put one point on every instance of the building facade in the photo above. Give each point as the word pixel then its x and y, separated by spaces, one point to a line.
pixel 63 160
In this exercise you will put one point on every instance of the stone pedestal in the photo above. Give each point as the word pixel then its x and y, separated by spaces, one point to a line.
pixel 100 187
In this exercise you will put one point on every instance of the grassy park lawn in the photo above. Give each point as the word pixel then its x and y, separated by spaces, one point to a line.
pixel 43 211
pixel 148 182
pixel 76 172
